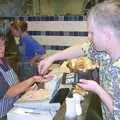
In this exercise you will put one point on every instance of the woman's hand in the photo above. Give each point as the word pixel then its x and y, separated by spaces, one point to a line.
pixel 42 79
pixel 89 85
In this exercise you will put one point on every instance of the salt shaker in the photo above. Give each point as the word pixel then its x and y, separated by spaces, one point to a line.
pixel 70 109
pixel 78 98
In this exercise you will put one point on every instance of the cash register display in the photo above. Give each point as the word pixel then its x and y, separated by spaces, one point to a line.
pixel 70 78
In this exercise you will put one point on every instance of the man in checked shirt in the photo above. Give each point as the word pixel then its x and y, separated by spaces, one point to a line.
pixel 103 48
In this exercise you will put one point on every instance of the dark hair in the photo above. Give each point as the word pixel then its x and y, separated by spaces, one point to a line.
pixel 17 24
pixel 2 35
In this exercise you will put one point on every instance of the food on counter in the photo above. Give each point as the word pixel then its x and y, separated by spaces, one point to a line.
pixel 34 95
pixel 81 64
pixel 60 70
pixel 79 90
pixel 33 87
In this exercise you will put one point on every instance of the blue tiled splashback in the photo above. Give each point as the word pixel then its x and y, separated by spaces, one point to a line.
pixel 58 33
pixel 6 22
pixel 49 18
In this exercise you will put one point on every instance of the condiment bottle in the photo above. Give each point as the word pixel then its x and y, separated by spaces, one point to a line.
pixel 78 98
pixel 70 109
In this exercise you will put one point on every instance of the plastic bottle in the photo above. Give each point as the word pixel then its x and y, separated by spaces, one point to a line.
pixel 78 99
pixel 70 109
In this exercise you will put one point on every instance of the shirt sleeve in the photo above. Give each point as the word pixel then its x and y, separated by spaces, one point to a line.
pixel 116 93
pixel 34 47
pixel 90 51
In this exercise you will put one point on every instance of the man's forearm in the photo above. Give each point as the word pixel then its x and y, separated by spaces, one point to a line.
pixel 68 53
pixel 106 98
pixel 19 88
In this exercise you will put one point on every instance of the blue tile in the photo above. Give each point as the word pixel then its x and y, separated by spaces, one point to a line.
pixel 58 33
pixel 83 33
pixel 51 18
pixel 47 33
pixel 80 18
pixel 29 19
pixel 66 33
pixel 43 33
pixel 76 34
pixel 38 32
pixel 71 33
pixel 48 47
pixel 30 32
pixel 40 18
pixel 56 18
pixel 32 18
pixel 25 18
pixel 85 18
pixel 55 47
pixel 61 33
pixel 72 18
pixel 46 18
pixel 36 18
pixel 55 33
pixel 76 18
pixel 65 18
pixel 61 18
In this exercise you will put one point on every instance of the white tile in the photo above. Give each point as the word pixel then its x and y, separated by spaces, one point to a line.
pixel 57 25
pixel 60 40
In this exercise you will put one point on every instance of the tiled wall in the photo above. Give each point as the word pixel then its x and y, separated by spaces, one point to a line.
pixel 56 32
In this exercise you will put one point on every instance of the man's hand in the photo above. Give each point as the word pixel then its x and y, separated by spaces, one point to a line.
pixel 89 85
pixel 44 65
pixel 93 86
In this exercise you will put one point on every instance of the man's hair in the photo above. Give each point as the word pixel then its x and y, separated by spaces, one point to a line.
pixel 17 24
pixel 106 14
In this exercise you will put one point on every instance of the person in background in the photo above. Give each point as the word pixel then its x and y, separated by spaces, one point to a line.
pixel 11 51
pixel 30 50
pixel 103 48
pixel 28 46
pixel 10 87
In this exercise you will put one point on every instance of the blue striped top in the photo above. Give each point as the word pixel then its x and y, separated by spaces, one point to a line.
pixel 7 79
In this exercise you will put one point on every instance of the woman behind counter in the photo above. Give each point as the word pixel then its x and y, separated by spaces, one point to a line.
pixel 29 49
pixel 10 88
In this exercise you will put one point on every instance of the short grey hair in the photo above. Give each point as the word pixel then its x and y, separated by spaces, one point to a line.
pixel 106 13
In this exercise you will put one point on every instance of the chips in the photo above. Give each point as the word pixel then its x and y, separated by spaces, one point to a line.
pixel 82 63
pixel 34 95
pixel 60 70
pixel 79 90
